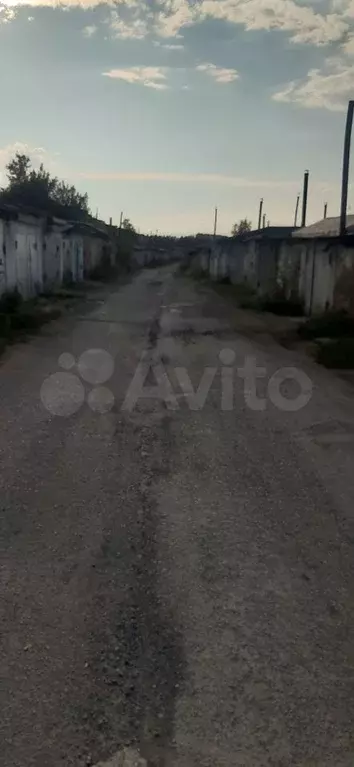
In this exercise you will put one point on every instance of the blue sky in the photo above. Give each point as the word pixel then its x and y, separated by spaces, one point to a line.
pixel 166 108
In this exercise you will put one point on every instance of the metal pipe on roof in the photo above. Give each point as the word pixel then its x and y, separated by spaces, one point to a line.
pixel 215 221
pixel 304 198
pixel 345 171
pixel 260 213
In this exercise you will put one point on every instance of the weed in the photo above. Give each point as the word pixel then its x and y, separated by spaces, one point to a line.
pixel 282 306
pixel 10 301
pixel 338 353
pixel 328 325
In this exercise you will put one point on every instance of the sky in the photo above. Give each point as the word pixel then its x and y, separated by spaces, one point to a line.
pixel 164 109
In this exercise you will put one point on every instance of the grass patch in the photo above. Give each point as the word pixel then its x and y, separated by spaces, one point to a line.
pixel 19 318
pixel 337 353
pixel 328 325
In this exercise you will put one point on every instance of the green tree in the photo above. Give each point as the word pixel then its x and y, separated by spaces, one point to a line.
pixel 242 227
pixel 128 226
pixel 18 169
pixel 38 189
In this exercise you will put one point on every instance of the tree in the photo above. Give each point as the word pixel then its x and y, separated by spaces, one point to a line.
pixel 128 226
pixel 241 228
pixel 38 189
pixel 18 169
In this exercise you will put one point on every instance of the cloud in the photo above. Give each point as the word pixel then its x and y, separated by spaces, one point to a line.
pixel 7 13
pixel 37 156
pixel 327 88
pixel 194 178
pixel 89 31
pixel 168 18
pixel 301 21
pixel 174 16
pixel 219 74
pixel 133 26
pixel 169 46
pixel 150 77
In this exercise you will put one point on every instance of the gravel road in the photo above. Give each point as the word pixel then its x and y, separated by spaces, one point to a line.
pixel 176 577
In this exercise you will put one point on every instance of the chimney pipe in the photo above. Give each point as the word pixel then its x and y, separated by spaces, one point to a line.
pixel 325 210
pixel 260 213
pixel 264 220
pixel 296 210
pixel 215 221
pixel 345 173
pixel 304 199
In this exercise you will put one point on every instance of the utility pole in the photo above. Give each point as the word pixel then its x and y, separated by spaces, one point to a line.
pixel 325 210
pixel 296 210
pixel 304 198
pixel 345 172
pixel 215 221
pixel 260 213
pixel 121 220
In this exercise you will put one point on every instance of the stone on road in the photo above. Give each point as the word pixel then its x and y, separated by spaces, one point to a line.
pixel 177 541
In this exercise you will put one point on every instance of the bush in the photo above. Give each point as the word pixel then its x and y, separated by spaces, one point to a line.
pixel 26 319
pixel 10 301
pixel 103 272
pixel 338 354
pixel 198 273
pixel 282 306
pixel 328 325
pixel 5 325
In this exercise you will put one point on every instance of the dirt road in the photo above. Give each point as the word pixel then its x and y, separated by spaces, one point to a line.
pixel 176 571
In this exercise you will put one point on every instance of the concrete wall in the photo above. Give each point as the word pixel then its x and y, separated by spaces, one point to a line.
pixel 52 259
pixel 96 250
pixel 23 254
pixel 2 257
pixel 36 257
pixel 73 258
pixel 143 257
pixel 289 267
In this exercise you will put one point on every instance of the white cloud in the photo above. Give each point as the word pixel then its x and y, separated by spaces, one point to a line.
pixel 89 31
pixel 219 74
pixel 329 88
pixel 169 46
pixel 150 77
pixel 7 13
pixel 37 156
pixel 167 18
pixel 301 21
pixel 345 7
pixel 132 27
pixel 174 16
pixel 218 179
pixel 348 46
